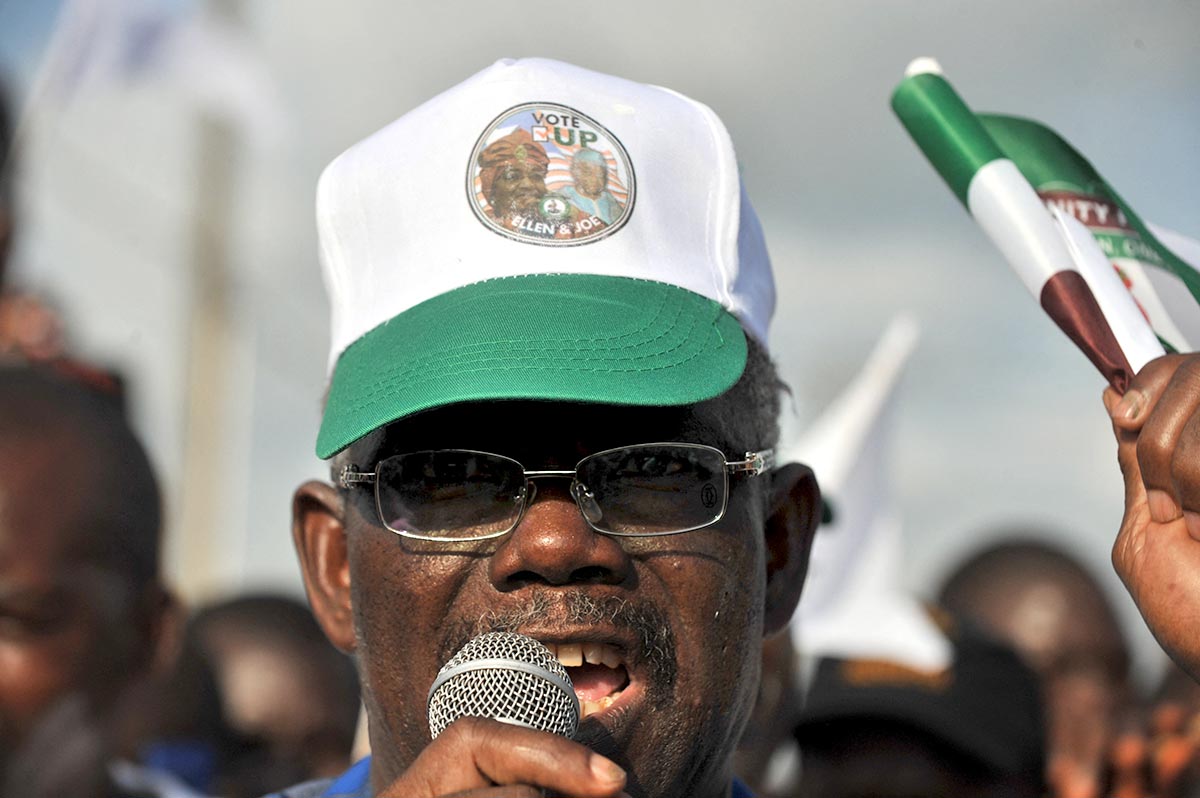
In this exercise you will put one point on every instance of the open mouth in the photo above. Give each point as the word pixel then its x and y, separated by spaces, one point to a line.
pixel 598 673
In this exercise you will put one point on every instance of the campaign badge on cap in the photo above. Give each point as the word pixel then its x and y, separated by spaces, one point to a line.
pixel 548 174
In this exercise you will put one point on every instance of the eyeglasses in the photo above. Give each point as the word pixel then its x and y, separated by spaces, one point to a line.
pixel 635 491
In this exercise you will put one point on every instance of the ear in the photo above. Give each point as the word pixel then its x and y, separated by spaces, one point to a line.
pixel 152 632
pixel 166 617
pixel 795 512
pixel 320 538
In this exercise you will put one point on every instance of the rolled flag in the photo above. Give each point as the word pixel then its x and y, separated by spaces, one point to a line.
pixel 1161 269
pixel 1125 318
pixel 1008 209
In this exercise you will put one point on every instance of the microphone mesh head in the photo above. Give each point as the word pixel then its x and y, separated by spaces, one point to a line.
pixel 508 677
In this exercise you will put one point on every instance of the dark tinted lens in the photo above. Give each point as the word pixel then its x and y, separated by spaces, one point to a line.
pixel 655 489
pixel 449 494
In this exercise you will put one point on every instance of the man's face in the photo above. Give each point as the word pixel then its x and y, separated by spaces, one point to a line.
pixel 683 613
pixel 1062 629
pixel 58 637
pixel 517 188
pixel 589 177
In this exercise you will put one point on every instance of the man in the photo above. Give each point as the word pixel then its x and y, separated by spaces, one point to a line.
pixel 589 190
pixel 1054 613
pixel 82 607
pixel 256 700
pixel 282 684
pixel 569 442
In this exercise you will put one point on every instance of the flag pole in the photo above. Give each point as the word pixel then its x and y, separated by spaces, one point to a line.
pixel 203 509
pixel 1008 209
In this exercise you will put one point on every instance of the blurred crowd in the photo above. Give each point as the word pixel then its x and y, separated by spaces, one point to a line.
pixel 110 687
pixel 1037 700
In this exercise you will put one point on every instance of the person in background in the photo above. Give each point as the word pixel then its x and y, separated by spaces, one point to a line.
pixel 283 687
pixel 1157 756
pixel 1043 602
pixel 29 329
pixel 874 728
pixel 83 608
pixel 257 700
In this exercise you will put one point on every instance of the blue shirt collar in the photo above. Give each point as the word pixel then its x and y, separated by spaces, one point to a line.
pixel 354 783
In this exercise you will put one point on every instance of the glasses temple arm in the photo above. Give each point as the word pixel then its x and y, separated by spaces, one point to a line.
pixel 755 463
pixel 350 475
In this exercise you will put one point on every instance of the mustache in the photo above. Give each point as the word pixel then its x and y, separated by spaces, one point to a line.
pixel 649 625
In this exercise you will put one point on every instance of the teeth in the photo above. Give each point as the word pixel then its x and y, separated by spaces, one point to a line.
pixel 593 653
pixel 570 654
pixel 587 708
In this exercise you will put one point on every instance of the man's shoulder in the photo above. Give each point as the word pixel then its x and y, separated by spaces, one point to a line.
pixel 740 790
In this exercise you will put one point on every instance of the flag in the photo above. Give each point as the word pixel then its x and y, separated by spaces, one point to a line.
pixel 1039 240
pixel 854 604
pixel 99 44
pixel 1165 285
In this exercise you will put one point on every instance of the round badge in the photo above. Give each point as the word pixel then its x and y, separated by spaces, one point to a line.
pixel 547 174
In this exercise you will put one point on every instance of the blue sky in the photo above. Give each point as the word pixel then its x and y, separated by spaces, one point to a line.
pixel 25 26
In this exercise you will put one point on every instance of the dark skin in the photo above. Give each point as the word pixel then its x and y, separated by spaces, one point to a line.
pixel 71 629
pixel 1157 550
pixel 1059 622
pixel 517 187
pixel 394 601
pixel 589 178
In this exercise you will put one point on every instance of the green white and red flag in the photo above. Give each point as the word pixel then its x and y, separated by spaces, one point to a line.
pixel 1161 269
pixel 1061 227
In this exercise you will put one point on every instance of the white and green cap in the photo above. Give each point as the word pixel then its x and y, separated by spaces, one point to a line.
pixel 541 232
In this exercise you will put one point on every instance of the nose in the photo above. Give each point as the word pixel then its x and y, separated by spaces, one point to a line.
pixel 553 544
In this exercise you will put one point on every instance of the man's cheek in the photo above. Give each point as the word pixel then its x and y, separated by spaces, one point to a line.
pixel 32 677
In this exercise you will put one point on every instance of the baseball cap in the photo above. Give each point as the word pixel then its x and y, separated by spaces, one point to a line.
pixel 542 232
pixel 986 705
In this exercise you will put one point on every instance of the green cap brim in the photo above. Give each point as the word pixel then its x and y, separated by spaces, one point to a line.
pixel 562 337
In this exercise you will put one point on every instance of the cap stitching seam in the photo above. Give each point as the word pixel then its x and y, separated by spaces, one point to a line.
pixel 392 376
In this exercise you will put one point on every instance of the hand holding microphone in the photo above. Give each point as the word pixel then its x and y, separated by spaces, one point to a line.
pixel 502 712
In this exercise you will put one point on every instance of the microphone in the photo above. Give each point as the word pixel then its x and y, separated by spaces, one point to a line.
pixel 508 677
